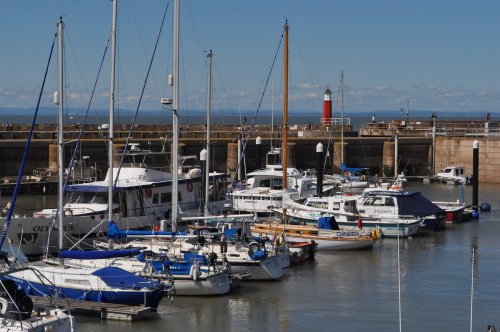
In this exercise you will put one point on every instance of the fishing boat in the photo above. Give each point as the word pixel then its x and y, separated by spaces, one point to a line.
pixel 326 235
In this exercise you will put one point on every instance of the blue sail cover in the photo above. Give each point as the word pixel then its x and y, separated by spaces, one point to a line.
pixel 98 254
pixel 116 277
pixel 327 223
pixel 115 233
pixel 344 168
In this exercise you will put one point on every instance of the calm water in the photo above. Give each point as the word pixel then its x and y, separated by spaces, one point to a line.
pixel 358 290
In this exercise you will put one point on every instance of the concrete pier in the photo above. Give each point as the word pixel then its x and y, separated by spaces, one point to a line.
pixel 377 153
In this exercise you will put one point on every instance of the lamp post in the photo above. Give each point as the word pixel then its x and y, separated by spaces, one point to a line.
pixel 475 174
pixel 433 143
pixel 319 173
pixel 258 142
pixel 204 185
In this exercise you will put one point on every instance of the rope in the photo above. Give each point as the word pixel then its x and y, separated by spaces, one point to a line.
pixel 140 100
pixel 26 149
pixel 255 116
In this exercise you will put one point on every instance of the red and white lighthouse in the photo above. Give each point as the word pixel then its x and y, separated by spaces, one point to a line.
pixel 327 108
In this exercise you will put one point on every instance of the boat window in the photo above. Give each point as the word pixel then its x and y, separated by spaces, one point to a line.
pixel 155 198
pixel 377 201
pixel 266 183
pixel 277 183
pixel 166 197
pixel 447 170
pixel 336 205
pixel 389 201
pixel 77 281
pixel 179 197
pixel 321 205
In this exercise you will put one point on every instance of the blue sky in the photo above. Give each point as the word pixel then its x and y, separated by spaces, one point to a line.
pixel 444 55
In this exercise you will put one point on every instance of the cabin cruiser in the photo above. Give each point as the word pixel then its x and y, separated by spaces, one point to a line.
pixel 142 199
pixel 399 205
pixel 263 190
pixel 349 215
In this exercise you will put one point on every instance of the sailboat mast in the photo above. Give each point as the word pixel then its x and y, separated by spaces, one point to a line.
pixel 175 119
pixel 285 115
pixel 342 117
pixel 59 99
pixel 209 115
pixel 111 112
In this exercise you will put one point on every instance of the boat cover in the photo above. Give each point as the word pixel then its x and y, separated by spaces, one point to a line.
pixel 417 205
pixel 115 233
pixel 116 277
pixel 97 254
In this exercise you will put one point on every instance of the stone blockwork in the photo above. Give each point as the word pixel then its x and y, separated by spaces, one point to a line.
pixel 457 151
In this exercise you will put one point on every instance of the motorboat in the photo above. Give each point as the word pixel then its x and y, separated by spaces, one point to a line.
pixel 399 205
pixel 453 175
pixel 142 199
pixel 327 235
pixel 263 190
pixel 345 208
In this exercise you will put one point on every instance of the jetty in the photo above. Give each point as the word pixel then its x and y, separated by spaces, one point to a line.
pixel 111 311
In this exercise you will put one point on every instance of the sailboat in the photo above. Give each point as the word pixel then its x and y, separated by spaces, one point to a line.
pixel 325 234
pixel 108 284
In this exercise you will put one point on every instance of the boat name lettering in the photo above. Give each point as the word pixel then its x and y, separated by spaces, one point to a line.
pixel 45 228
pixel 347 233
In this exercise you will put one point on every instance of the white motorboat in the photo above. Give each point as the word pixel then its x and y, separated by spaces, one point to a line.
pixel 346 210
pixel 263 191
pixel 142 199
pixel 453 175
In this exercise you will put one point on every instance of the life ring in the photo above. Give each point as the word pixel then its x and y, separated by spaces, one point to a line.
pixel 148 192
pixel 363 177
pixel 253 247
pixel 190 186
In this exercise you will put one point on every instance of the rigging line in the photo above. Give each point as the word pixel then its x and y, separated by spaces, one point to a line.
pixel 80 134
pixel 28 142
pixel 303 61
pixel 256 113
pixel 140 99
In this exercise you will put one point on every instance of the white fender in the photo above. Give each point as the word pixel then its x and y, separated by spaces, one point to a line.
pixel 4 304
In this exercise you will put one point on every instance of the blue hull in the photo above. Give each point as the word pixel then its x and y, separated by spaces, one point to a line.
pixel 127 297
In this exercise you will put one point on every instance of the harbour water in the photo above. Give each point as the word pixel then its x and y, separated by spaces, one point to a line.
pixel 358 290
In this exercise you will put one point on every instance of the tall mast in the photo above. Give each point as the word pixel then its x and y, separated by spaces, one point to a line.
pixel 209 115
pixel 285 116
pixel 342 117
pixel 59 100
pixel 111 111
pixel 175 119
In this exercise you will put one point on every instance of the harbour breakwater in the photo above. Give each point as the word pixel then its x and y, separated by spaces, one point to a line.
pixel 415 155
